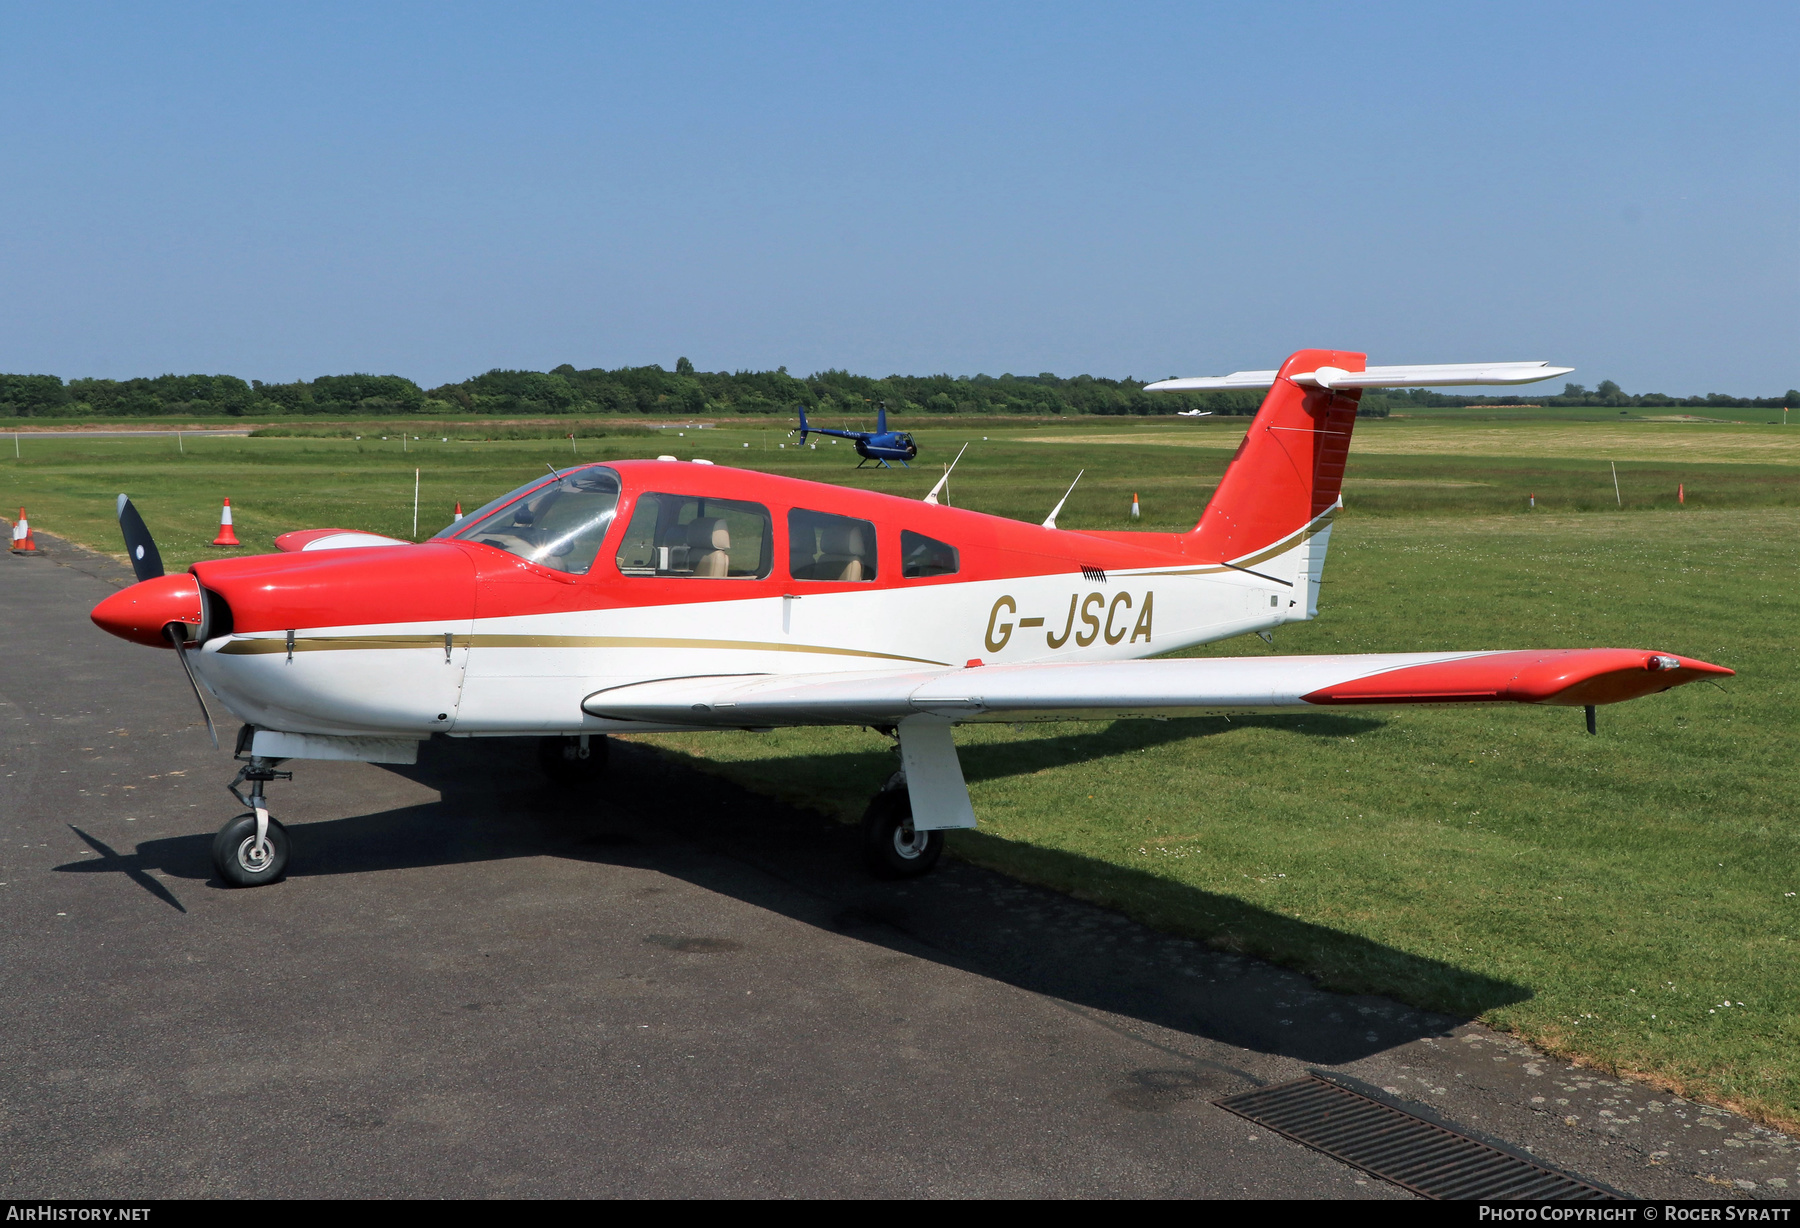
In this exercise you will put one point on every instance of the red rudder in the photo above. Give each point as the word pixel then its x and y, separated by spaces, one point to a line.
pixel 1289 470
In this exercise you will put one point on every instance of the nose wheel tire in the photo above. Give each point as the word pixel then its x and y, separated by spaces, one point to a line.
pixel 892 847
pixel 241 861
pixel 565 762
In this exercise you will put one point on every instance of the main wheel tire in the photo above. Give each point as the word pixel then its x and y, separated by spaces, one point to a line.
pixel 891 845
pixel 237 860
pixel 562 762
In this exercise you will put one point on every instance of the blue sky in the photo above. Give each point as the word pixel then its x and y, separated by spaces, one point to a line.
pixel 284 191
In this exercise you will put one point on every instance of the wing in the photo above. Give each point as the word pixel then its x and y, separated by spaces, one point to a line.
pixel 1113 689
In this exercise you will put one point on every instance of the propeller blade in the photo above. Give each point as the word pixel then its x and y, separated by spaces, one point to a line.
pixel 145 561
pixel 181 652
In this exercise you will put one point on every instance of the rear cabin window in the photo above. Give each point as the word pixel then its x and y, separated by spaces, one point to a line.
pixel 922 556
pixel 826 547
pixel 690 536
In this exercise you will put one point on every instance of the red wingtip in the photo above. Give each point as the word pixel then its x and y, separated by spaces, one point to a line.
pixel 1572 678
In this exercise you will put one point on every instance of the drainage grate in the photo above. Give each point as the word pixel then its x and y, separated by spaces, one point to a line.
pixel 1428 1159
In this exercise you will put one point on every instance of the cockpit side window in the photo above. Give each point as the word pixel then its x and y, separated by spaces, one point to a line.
pixel 922 556
pixel 696 537
pixel 822 546
pixel 559 523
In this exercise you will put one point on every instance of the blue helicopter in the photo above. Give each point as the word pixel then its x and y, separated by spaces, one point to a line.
pixel 880 445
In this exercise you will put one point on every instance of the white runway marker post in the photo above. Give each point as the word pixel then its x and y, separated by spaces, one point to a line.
pixel 415 505
pixel 1617 497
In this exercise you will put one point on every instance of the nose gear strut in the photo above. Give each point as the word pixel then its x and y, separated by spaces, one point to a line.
pixel 252 849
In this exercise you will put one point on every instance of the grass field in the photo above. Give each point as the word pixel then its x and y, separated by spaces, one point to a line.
pixel 1604 897
pixel 1607 441
pixel 1011 469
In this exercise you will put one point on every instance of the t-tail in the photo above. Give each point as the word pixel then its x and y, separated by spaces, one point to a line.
pixel 1272 512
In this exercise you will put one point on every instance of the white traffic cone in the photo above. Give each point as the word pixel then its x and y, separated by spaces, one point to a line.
pixel 21 536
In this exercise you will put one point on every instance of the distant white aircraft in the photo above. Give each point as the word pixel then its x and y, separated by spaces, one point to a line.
pixel 1193 413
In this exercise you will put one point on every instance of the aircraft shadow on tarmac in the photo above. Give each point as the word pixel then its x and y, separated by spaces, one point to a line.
pixel 653 812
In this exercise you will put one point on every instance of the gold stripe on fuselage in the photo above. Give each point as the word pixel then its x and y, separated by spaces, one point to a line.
pixel 352 643
pixel 1318 525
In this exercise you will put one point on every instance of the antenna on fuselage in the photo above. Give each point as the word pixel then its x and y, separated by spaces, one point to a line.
pixel 932 498
pixel 1050 520
pixel 553 472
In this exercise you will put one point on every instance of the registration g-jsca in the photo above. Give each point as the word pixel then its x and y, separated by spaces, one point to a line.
pixel 1087 618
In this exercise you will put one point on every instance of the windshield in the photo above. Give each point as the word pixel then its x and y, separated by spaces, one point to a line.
pixel 553 522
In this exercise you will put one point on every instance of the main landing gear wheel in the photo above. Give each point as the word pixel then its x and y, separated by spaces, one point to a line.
pixel 244 862
pixel 576 761
pixel 891 845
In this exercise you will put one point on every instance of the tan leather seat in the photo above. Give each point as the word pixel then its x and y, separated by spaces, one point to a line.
pixel 709 548
pixel 841 552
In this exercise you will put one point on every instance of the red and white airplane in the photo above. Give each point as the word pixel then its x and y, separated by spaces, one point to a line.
pixel 660 595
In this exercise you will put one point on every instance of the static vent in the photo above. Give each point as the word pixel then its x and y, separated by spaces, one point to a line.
pixel 1096 574
pixel 1430 1160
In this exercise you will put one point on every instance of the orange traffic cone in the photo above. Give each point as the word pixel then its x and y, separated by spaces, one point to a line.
pixel 21 536
pixel 1134 505
pixel 226 537
pixel 459 509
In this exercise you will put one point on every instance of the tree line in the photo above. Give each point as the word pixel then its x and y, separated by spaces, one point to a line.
pixel 1607 395
pixel 684 391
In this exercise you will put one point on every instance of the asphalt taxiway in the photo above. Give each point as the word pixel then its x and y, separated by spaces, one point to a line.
pixel 473 983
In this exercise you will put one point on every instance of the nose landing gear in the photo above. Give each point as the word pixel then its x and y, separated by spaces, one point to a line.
pixel 252 849
pixel 574 762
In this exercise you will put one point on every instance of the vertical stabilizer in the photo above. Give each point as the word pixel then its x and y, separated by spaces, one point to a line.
pixel 1283 485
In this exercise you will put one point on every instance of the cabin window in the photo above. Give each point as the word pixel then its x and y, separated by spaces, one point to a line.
pixel 826 547
pixel 922 556
pixel 558 523
pixel 694 536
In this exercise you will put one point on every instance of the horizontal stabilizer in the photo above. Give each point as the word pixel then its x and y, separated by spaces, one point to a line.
pixel 1430 376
